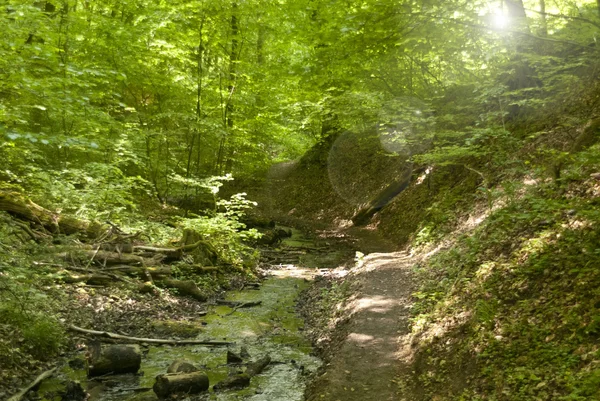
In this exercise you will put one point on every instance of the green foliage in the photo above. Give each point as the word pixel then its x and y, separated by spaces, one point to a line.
pixel 26 309
pixel 525 280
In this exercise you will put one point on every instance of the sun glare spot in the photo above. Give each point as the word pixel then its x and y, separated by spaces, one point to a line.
pixel 500 20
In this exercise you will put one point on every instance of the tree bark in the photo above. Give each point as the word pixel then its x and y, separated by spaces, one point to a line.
pixel 187 287
pixel 180 383
pixel 544 22
pixel 20 206
pixel 516 11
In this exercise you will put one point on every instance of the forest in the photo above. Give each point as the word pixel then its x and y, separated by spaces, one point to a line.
pixel 300 200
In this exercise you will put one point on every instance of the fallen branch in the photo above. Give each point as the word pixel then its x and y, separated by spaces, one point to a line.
pixel 37 381
pixel 147 340
pixel 238 305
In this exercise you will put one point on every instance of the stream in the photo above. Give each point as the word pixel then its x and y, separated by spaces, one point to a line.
pixel 272 328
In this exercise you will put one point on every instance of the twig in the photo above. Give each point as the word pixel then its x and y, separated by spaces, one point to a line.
pixel 38 380
pixel 148 340
pixel 93 257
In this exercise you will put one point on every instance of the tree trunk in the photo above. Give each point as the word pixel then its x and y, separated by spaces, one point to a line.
pixel 516 11
pixel 544 22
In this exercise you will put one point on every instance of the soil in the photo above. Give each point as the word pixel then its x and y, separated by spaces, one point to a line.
pixel 368 348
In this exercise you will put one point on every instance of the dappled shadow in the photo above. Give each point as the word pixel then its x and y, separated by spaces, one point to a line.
pixel 366 365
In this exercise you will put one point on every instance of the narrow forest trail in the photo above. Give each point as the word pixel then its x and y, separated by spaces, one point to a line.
pixel 371 356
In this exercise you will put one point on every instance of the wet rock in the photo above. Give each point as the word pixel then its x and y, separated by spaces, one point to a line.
pixel 242 380
pixel 182 366
pixel 77 364
pixel 244 353
pixel 74 392
pixel 115 359
pixel 180 383
pixel 258 366
pixel 237 381
pixel 232 357
pixel 274 236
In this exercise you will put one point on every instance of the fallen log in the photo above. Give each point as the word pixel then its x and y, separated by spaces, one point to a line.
pixel 92 279
pixel 180 383
pixel 33 384
pixel 115 359
pixel 57 223
pixel 115 336
pixel 140 270
pixel 187 287
pixel 363 216
pixel 106 258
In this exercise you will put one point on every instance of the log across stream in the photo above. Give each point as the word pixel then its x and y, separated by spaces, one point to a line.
pixel 272 328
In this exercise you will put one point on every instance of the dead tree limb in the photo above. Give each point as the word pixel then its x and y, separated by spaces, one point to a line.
pixel 37 381
pixel 147 340
pixel 22 207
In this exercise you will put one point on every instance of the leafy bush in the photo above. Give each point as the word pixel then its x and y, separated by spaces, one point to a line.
pixel 26 309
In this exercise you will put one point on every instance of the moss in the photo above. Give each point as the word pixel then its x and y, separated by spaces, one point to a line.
pixel 173 328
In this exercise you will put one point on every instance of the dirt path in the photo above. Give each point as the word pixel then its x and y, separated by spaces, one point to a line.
pixel 370 358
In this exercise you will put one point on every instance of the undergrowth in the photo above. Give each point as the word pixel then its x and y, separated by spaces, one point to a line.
pixel 511 310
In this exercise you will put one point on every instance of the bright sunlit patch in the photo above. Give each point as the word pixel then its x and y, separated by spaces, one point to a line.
pixel 500 20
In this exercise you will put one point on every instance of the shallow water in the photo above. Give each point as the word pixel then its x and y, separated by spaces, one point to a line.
pixel 271 328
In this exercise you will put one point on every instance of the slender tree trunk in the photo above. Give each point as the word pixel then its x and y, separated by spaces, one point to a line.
pixel 544 22
pixel 229 107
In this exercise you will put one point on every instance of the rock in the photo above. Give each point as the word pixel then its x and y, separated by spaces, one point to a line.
pixel 74 392
pixel 115 359
pixel 233 357
pixel 77 363
pixel 237 381
pixel 242 380
pixel 244 353
pixel 258 366
pixel 274 236
pixel 182 366
pixel 180 383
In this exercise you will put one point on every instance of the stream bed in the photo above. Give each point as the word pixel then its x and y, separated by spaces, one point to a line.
pixel 272 328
